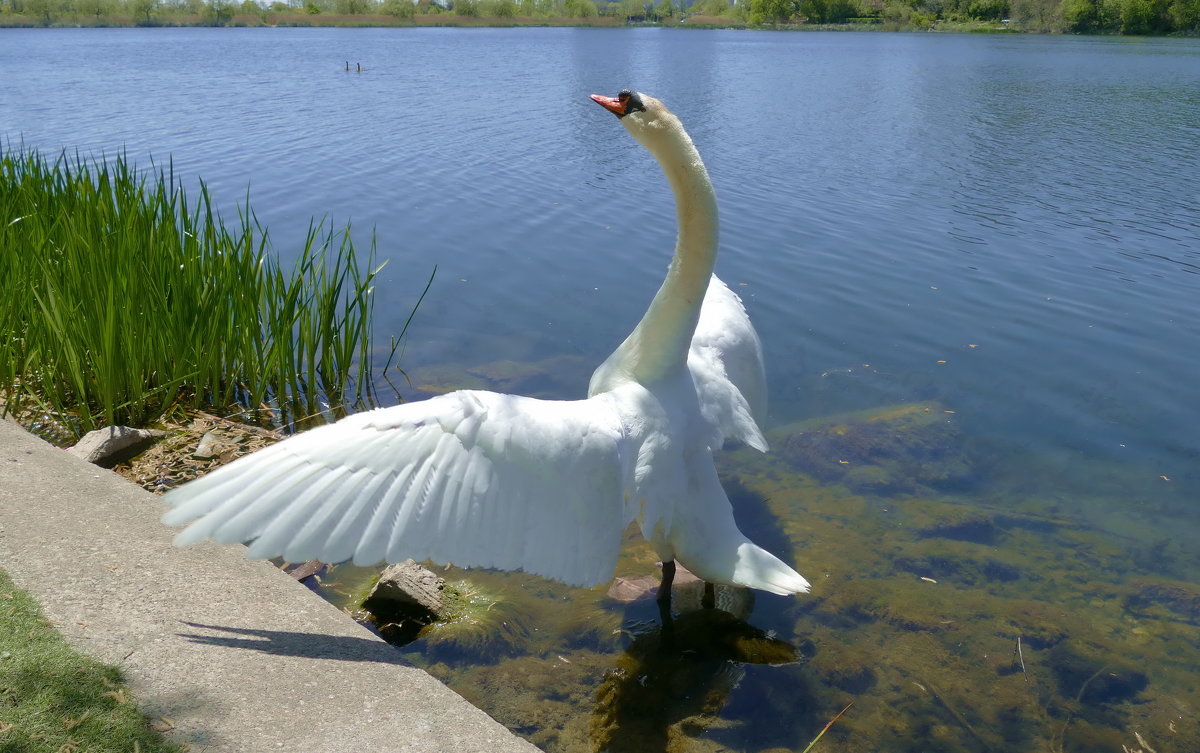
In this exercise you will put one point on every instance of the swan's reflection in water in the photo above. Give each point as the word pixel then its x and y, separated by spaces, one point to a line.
pixel 678 673
pixel 582 675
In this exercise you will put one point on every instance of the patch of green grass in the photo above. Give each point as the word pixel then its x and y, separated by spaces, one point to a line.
pixel 122 301
pixel 56 700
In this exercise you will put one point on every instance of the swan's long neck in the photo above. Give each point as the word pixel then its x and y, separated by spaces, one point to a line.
pixel 661 339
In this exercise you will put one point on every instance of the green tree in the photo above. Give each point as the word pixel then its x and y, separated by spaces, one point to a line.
pixel 499 8
pixel 1144 16
pixel 1080 15
pixel 901 15
pixel 143 11
pixel 218 12
pixel 711 7
pixel 1036 15
pixel 771 11
pixel 988 10
pixel 94 8
pixel 399 8
pixel 664 10
pixel 826 11
pixel 1185 15
pixel 633 9
pixel 580 9
pixel 45 10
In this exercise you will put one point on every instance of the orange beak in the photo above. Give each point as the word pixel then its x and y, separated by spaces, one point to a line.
pixel 612 104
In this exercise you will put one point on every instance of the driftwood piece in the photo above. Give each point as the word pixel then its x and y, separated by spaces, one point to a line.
pixel 305 569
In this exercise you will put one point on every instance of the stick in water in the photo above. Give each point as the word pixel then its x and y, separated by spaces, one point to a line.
pixel 1021 656
pixel 828 724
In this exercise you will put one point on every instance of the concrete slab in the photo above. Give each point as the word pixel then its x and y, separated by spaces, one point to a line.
pixel 237 654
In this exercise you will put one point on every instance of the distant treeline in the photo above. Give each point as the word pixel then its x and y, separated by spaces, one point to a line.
pixel 1064 16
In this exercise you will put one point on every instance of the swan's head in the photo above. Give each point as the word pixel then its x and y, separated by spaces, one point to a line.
pixel 647 119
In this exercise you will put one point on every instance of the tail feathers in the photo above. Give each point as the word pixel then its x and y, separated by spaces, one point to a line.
pixel 758 568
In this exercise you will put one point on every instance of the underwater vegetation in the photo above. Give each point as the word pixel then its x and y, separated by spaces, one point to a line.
pixel 959 609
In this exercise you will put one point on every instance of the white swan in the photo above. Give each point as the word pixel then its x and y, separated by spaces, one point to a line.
pixel 483 479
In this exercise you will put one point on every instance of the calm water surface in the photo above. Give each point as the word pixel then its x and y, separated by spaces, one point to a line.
pixel 991 245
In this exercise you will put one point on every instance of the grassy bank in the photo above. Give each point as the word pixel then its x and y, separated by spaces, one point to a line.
pixel 56 700
pixel 121 302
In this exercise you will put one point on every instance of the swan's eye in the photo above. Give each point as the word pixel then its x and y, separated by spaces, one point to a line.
pixel 631 100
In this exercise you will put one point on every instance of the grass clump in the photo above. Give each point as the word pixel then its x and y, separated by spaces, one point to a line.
pixel 121 302
pixel 55 700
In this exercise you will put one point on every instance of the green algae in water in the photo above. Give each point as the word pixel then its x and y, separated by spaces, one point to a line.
pixel 481 625
pixel 978 615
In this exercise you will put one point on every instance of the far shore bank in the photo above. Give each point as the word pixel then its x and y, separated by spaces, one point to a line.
pixel 303 20
pixel 293 20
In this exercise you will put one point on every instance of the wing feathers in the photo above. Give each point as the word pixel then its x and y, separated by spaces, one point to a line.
pixel 725 360
pixel 474 478
pixel 289 519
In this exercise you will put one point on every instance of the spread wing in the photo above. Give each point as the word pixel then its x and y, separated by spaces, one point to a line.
pixel 479 479
pixel 727 366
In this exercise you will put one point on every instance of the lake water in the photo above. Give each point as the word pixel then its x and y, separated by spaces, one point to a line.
pixel 987 245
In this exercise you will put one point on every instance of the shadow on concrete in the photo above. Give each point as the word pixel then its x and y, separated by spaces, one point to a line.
pixel 309 645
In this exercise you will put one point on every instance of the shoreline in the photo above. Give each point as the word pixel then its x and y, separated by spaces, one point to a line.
pixel 379 21
pixel 448 20
pixel 201 632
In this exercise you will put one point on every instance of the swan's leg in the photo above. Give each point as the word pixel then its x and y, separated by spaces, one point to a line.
pixel 668 623
pixel 709 600
pixel 668 577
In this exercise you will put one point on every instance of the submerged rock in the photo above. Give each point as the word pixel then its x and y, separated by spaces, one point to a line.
pixel 640 587
pixel 457 621
pixel 407 591
pixel 553 376
pixel 974 527
pixel 550 378
pixel 687 593
pixel 899 448
pixel 633 589
pixel 1093 674
pixel 1177 597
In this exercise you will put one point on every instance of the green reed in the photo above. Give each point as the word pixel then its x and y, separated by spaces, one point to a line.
pixel 119 301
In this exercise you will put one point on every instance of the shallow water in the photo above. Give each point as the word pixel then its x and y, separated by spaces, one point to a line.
pixel 974 264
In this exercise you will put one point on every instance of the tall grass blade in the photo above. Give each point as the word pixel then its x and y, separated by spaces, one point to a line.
pixel 122 301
